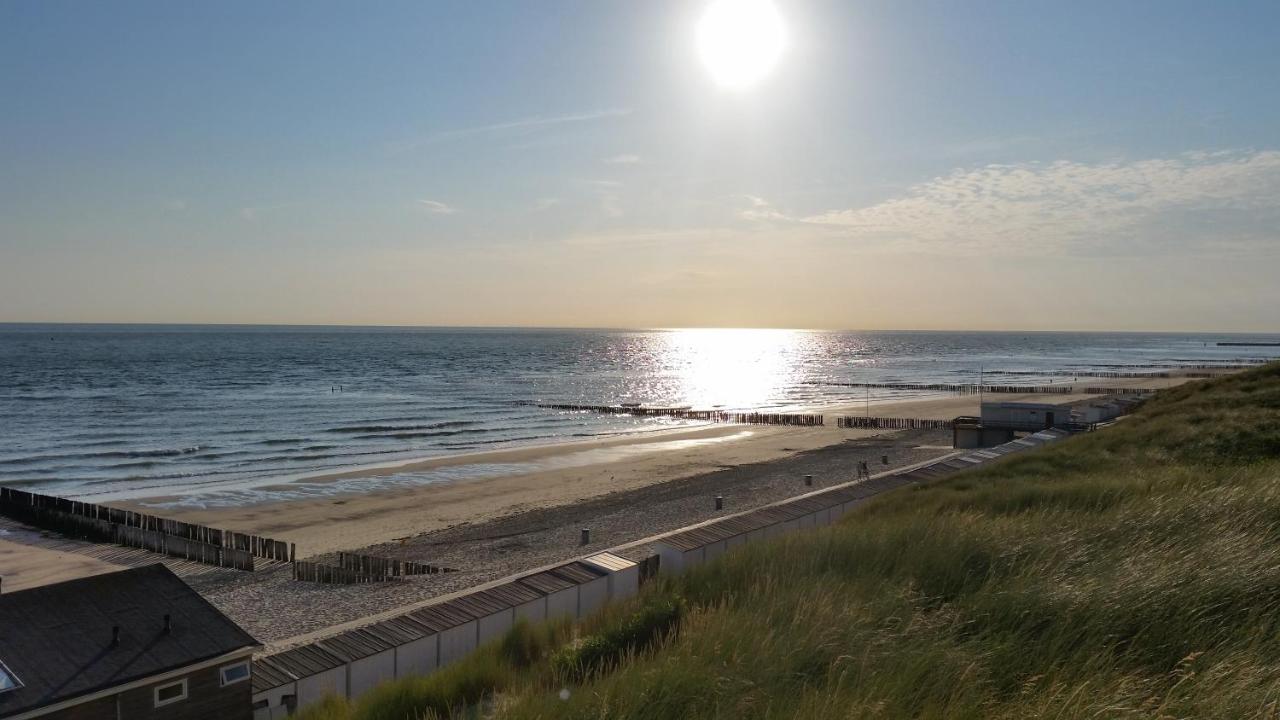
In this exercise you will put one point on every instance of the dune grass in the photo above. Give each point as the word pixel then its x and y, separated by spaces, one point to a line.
pixel 1133 572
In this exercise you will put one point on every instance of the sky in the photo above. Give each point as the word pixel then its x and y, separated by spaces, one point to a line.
pixel 903 165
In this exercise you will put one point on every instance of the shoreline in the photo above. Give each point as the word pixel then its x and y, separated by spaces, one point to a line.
pixel 357 508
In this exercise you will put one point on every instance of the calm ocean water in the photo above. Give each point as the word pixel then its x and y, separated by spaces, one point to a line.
pixel 109 411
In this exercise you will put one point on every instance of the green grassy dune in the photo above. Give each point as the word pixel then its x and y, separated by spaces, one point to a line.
pixel 1132 572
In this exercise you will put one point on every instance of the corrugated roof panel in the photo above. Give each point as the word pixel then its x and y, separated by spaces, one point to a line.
pixel 610 562
pixel 513 594
pixel 306 660
pixel 268 675
pixel 546 582
pixel 578 573
pixel 475 605
pixel 398 630
pixel 439 618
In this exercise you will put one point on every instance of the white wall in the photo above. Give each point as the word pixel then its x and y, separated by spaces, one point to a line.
pixel 592 595
pixel 562 603
pixel 455 643
pixel 624 583
pixel 274 695
pixel 368 672
pixel 495 625
pixel 417 657
pixel 535 611
pixel 330 682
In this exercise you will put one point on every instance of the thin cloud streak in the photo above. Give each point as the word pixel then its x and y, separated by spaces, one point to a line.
pixel 436 207
pixel 534 122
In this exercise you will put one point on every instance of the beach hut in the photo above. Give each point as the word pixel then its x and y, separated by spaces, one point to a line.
pixel 592 582
pixel 623 574
pixel 493 615
pixel 561 594
pixel 415 645
pixel 318 672
pixel 456 630
pixel 526 603
pixel 369 657
pixel 275 690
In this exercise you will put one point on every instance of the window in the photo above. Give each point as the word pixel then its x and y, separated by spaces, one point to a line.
pixel 234 673
pixel 171 692
pixel 8 681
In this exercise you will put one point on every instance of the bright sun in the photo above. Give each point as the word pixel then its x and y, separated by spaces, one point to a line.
pixel 740 41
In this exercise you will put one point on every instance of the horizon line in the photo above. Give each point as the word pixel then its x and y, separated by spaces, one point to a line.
pixel 669 328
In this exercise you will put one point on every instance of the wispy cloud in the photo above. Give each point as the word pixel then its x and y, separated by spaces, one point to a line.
pixel 623 159
pixel 761 210
pixel 528 123
pixel 435 207
pixel 1220 200
pixel 546 203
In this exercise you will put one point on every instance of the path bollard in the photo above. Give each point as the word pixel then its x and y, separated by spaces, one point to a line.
pixel 719 502
pixel 586 537
pixel 808 480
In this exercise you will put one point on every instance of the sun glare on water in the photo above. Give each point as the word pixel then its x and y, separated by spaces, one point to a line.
pixel 740 41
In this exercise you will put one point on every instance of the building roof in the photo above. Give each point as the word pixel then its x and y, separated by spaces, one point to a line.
pixel 56 640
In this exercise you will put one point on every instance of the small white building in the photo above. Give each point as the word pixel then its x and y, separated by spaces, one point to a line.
pixel 623 574
pixel 1025 415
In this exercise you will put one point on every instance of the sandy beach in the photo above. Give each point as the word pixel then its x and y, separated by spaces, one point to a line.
pixel 625 488
pixel 559 474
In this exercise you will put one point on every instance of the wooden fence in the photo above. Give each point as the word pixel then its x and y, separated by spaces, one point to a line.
pixel 133 529
pixel 718 416
pixel 100 530
pixel 961 389
pixel 353 569
pixel 387 567
pixel 330 574
pixel 1082 373
pixel 890 423
pixel 1116 391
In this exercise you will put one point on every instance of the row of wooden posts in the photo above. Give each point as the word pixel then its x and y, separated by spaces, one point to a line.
pixel 1083 373
pixel 719 416
pixel 387 567
pixel 891 423
pixel 175 538
pixel 354 569
pixel 958 388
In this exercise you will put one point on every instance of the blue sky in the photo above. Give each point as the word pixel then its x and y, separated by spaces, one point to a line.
pixel 905 164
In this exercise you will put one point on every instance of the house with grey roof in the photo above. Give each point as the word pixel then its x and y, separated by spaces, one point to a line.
pixel 134 644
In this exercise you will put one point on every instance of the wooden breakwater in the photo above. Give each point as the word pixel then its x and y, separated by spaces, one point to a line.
pixel 962 389
pixel 1116 391
pixel 387 567
pixel 1088 373
pixel 319 572
pixel 717 416
pixel 859 422
pixel 175 538
pixel 355 569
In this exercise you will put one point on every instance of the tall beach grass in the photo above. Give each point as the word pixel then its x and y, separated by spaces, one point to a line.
pixel 1128 573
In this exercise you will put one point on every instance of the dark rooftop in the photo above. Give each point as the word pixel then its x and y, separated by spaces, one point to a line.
pixel 57 639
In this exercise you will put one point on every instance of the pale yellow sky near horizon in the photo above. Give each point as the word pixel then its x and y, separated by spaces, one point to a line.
pixel 752 163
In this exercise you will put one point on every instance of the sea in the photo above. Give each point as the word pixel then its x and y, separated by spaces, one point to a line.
pixel 223 415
